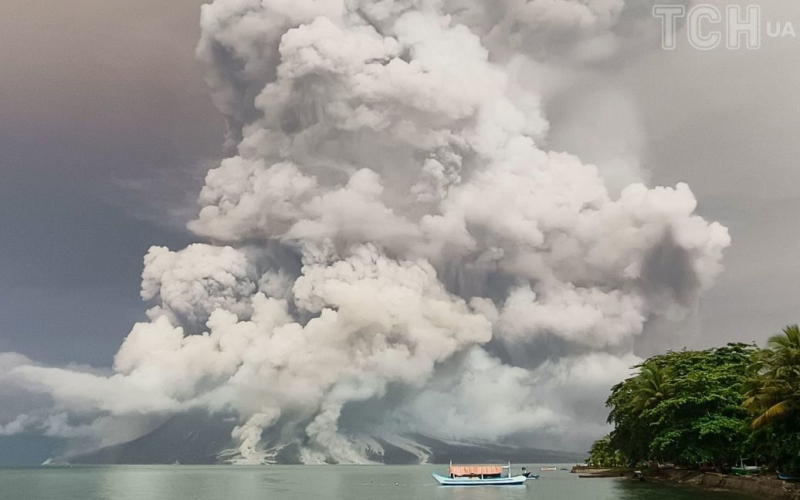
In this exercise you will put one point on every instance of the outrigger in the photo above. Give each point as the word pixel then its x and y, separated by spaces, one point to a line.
pixel 480 475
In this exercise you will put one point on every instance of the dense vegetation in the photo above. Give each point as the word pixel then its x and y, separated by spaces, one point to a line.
pixel 711 408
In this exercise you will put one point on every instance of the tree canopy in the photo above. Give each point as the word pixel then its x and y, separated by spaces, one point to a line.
pixel 683 407
pixel 772 392
pixel 712 406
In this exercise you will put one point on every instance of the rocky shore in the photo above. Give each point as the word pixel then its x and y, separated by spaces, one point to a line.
pixel 762 486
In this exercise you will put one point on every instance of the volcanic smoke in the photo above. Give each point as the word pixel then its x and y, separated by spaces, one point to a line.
pixel 390 247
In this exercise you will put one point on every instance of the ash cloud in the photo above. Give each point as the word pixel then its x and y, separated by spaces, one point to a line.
pixel 391 246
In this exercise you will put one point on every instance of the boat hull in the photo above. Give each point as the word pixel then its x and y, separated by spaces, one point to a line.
pixel 744 471
pixel 468 481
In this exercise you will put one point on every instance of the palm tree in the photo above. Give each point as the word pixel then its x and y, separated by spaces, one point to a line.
pixel 773 391
pixel 650 387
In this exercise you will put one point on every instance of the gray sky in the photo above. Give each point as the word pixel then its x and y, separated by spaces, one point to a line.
pixel 727 123
pixel 106 126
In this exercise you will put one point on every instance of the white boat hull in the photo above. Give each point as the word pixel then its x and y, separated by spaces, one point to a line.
pixel 476 481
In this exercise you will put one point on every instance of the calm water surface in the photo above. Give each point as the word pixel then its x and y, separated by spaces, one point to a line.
pixel 298 482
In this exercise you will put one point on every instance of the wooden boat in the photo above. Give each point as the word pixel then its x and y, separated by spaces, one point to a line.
pixel 480 475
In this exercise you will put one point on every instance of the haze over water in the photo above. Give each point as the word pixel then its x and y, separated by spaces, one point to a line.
pixel 308 482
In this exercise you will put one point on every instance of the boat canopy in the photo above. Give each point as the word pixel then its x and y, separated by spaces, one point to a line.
pixel 475 470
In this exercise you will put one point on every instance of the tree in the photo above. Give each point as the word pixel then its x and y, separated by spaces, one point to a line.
pixel 683 407
pixel 772 395
pixel 773 390
pixel 650 387
pixel 629 401
pixel 632 433
pixel 603 454
pixel 703 421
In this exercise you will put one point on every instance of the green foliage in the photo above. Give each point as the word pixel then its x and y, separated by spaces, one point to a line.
pixel 717 405
pixel 772 395
pixel 651 387
pixel 683 407
pixel 602 454
pixel 773 386
pixel 778 444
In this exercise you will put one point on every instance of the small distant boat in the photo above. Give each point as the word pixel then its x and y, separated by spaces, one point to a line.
pixel 745 470
pixel 549 469
pixel 480 475
pixel 528 474
pixel 788 478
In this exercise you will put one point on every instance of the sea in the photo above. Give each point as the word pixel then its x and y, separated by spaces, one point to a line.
pixel 334 482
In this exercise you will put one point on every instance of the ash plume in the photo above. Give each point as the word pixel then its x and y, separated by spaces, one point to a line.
pixel 391 247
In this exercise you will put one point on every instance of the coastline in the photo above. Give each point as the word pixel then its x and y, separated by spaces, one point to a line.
pixel 762 486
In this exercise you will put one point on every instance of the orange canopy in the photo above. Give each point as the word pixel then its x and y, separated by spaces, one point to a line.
pixel 475 470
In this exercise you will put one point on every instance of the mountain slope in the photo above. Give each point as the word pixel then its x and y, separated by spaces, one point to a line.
pixel 190 438
pixel 197 438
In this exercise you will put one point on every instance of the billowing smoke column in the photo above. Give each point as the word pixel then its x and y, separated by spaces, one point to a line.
pixel 390 250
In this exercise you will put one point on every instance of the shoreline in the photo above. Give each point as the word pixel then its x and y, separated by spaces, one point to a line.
pixel 762 486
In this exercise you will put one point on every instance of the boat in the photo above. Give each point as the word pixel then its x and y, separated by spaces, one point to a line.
pixel 480 475
pixel 788 478
pixel 549 469
pixel 528 474
pixel 744 470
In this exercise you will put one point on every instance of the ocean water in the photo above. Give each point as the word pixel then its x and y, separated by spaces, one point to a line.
pixel 179 482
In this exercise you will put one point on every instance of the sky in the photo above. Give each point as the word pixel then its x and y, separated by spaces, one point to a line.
pixel 107 128
pixel 98 99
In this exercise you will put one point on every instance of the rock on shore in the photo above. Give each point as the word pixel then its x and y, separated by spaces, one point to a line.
pixel 768 487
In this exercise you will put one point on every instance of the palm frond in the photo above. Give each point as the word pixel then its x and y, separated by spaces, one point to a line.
pixel 775 412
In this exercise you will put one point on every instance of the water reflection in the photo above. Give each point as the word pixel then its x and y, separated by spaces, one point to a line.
pixel 484 493
pixel 309 482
